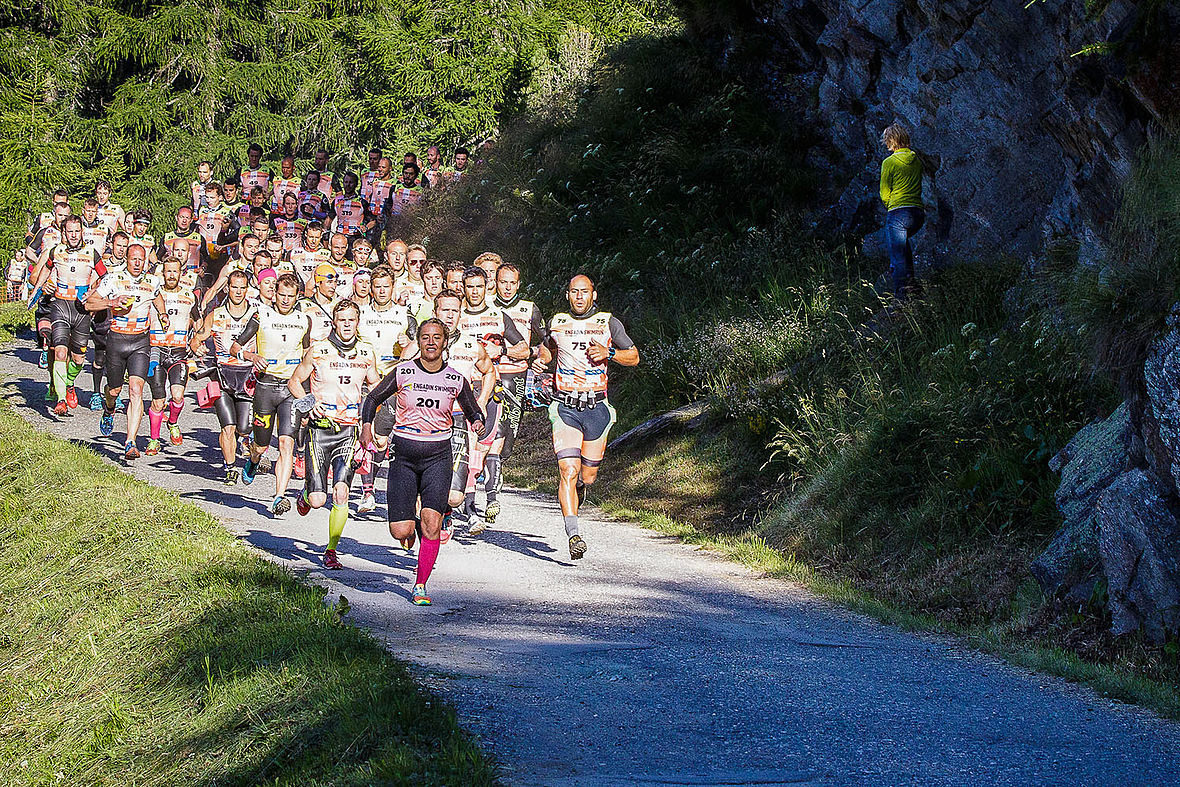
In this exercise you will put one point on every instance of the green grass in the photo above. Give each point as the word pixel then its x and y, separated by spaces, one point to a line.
pixel 14 317
pixel 143 645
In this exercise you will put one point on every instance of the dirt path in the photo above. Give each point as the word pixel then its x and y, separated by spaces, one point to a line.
pixel 652 663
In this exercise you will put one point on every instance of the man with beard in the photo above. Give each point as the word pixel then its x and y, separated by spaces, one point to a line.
pixel 583 341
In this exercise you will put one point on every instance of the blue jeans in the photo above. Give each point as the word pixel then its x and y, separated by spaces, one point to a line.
pixel 901 224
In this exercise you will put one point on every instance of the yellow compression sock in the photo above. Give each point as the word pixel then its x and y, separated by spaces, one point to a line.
pixel 336 522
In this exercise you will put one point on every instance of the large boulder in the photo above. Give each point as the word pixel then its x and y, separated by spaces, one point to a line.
pixel 1096 457
pixel 1161 417
pixel 1139 540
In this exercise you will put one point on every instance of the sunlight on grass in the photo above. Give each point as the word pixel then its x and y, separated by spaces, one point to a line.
pixel 143 644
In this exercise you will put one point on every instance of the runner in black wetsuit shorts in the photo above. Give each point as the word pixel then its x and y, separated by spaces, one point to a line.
pixel 336 369
pixel 235 372
pixel 427 391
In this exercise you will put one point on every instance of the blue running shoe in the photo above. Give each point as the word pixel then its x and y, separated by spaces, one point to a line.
pixel 43 362
pixel 96 402
pixel 106 424
pixel 248 472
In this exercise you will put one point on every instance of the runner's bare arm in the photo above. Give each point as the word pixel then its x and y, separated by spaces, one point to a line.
pixel 197 343
pixel 162 312
pixel 486 368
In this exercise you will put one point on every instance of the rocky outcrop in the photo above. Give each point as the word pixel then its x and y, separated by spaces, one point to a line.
pixel 1139 540
pixel 1023 140
pixel 1096 457
pixel 1119 499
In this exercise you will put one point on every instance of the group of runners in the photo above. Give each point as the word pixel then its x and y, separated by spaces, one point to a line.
pixel 318 336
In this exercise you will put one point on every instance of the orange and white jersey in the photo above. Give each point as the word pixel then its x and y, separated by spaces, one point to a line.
pixel 405 290
pixel 198 191
pixel 241 212
pixel 180 305
pixel 280 339
pixel 405 198
pixel 571 338
pixel 111 215
pixel 186 247
pixel 110 264
pixel 321 317
pixel 226 329
pixel 480 324
pixel 148 242
pixel 344 276
pixel 290 230
pixel 350 214
pixel 71 269
pixel 213 222
pixel 307 260
pixel 433 177
pixel 382 330
pixel 97 236
pixel 142 291
pixel 336 379
pixel 366 185
pixel 378 195
pixel 325 185
pixel 254 177
pixel 463 352
pixel 524 315
pixel 283 187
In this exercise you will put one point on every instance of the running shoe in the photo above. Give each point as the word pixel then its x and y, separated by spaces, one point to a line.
pixel 297 468
pixel 331 561
pixel 477 526
pixel 444 534
pixel 280 506
pixel 577 547
pixel 43 361
pixel 301 504
pixel 231 477
pixel 72 397
pixel 50 396
pixel 121 404
pixel 131 452
pixel 61 408
pixel 248 472
pixel 420 598
pixel 265 465
pixel 174 435
pixel 581 489
pixel 106 424
pixel 367 505
pixel 493 511
pixel 96 401
pixel 153 448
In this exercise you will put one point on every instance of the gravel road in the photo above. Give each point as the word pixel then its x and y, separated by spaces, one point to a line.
pixel 653 663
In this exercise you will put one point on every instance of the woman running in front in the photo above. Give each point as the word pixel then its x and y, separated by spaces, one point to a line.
pixel 427 389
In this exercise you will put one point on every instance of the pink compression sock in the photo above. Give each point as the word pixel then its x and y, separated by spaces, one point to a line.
pixel 155 418
pixel 427 554
pixel 174 411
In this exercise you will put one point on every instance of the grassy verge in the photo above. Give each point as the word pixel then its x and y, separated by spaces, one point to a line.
pixel 14 317
pixel 143 645
pixel 702 490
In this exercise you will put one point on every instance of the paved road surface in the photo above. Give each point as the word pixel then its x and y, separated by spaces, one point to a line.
pixel 652 663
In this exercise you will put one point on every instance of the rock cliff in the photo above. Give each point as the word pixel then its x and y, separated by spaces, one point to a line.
pixel 1024 140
